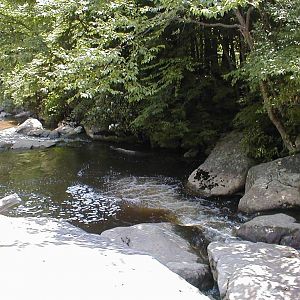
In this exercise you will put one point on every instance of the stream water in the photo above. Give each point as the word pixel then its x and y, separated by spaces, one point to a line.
pixel 97 188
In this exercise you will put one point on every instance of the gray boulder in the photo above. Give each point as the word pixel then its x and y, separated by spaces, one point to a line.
pixel 68 129
pixel 41 255
pixel 250 271
pixel 224 171
pixel 9 201
pixel 274 229
pixel 29 125
pixel 272 185
pixel 4 114
pixel 160 241
pixel 32 144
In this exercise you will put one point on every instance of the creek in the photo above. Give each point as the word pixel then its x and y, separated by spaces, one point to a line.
pixel 97 188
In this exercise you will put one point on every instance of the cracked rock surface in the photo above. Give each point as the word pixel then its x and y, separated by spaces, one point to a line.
pixel 272 185
pixel 250 271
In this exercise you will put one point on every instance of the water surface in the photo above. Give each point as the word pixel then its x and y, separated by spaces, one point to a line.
pixel 97 188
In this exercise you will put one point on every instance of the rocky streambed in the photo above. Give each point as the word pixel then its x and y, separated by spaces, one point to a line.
pixel 139 205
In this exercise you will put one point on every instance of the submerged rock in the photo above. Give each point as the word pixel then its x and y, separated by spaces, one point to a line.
pixel 130 152
pixel 250 271
pixel 54 260
pixel 274 229
pixel 9 201
pixel 273 185
pixel 192 153
pixel 160 241
pixel 224 171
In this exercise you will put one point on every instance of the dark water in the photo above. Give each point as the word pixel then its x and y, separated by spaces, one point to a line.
pixel 97 188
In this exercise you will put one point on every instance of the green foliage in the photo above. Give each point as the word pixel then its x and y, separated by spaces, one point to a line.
pixel 124 64
pixel 260 140
pixel 148 68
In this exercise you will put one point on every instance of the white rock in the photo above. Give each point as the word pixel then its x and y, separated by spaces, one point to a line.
pixel 46 259
pixel 28 125
pixel 255 271
pixel 9 201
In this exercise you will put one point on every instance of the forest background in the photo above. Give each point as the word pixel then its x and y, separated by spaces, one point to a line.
pixel 172 73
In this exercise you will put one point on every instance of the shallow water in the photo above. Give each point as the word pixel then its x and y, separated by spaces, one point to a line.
pixel 97 188
pixel 7 123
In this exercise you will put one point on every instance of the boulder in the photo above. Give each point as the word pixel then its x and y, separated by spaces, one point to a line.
pixel 32 144
pixel 273 229
pixel 4 114
pixel 272 185
pixel 68 129
pixel 58 261
pixel 9 201
pixel 29 125
pixel 250 271
pixel 95 133
pixel 224 171
pixel 160 241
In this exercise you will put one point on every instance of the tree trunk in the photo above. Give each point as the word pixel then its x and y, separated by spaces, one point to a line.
pixel 276 121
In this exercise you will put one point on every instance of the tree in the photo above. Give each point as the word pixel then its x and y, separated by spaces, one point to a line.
pixel 152 68
pixel 275 59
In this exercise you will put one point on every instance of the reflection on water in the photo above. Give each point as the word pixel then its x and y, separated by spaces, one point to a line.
pixel 97 188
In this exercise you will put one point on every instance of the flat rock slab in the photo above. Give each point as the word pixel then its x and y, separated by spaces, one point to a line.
pixel 10 139
pixel 274 229
pixel 255 271
pixel 32 144
pixel 47 259
pixel 272 185
pixel 160 241
pixel 224 171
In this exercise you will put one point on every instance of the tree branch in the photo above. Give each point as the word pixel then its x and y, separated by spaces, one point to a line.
pixel 237 26
pixel 248 16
